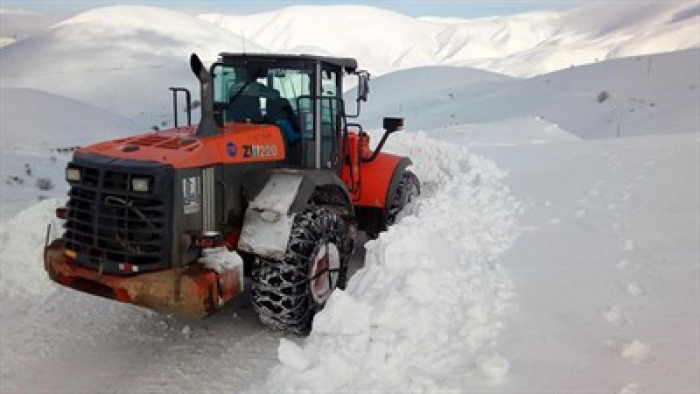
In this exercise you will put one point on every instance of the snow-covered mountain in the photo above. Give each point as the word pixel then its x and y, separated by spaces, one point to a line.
pixel 120 58
pixel 520 45
pixel 598 292
pixel 620 97
pixel 34 127
pixel 19 24
pixel 63 122
pixel 143 50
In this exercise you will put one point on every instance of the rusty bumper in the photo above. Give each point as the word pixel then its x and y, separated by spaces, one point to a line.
pixel 190 291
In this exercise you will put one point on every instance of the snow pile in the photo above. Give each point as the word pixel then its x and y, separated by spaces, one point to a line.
pixel 22 241
pixel 425 311
pixel 221 259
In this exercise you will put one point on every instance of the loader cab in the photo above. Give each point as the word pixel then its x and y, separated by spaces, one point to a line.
pixel 300 94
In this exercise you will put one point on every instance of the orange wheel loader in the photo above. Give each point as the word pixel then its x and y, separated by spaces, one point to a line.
pixel 273 184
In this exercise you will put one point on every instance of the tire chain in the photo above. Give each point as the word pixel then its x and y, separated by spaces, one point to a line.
pixel 281 289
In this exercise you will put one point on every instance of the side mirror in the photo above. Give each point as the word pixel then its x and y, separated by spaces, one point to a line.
pixel 362 86
pixel 393 124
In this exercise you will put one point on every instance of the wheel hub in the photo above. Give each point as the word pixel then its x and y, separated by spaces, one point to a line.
pixel 324 272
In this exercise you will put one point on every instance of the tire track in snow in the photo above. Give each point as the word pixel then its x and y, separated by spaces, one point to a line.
pixel 426 310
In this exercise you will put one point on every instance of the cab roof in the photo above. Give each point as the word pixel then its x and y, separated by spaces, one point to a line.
pixel 348 64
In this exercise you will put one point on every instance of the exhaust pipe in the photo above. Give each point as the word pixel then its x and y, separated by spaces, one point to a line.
pixel 207 124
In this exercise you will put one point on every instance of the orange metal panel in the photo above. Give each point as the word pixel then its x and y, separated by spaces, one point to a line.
pixel 237 143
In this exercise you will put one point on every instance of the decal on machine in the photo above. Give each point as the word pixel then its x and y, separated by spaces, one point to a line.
pixel 191 195
pixel 231 149
pixel 259 151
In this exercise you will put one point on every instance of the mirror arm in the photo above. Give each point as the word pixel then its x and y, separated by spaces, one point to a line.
pixel 376 151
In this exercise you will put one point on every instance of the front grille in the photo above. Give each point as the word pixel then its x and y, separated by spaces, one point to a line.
pixel 111 227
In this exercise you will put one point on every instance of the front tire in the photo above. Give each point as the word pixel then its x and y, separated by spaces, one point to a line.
pixel 407 190
pixel 287 294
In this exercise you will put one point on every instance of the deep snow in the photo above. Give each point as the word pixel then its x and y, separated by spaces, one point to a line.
pixel 607 269
pixel 599 293
pixel 426 310
pixel 407 271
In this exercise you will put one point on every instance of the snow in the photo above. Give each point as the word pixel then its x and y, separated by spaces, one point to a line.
pixel 34 126
pixel 647 95
pixel 16 24
pixel 120 58
pixel 221 259
pixel 598 293
pixel 278 194
pixel 22 241
pixel 268 222
pixel 608 298
pixel 519 45
pixel 401 324
pixel 63 122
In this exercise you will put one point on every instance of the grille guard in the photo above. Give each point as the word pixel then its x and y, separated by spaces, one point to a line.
pixel 109 224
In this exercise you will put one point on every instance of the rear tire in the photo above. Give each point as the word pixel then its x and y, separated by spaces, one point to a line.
pixel 408 189
pixel 287 294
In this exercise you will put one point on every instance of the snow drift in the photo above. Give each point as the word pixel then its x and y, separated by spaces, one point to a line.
pixel 22 241
pixel 425 311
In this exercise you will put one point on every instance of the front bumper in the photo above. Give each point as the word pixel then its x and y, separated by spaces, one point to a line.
pixel 193 291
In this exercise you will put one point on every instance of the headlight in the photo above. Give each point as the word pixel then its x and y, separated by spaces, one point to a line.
pixel 141 185
pixel 73 174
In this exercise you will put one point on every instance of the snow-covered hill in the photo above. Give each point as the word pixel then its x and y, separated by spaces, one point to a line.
pixel 598 294
pixel 19 24
pixel 34 126
pixel 143 50
pixel 39 121
pixel 520 45
pixel 121 58
pixel 622 97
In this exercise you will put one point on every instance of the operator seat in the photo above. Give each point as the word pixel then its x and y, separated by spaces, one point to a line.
pixel 280 112
pixel 245 108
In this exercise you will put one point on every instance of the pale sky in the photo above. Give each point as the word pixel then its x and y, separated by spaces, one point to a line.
pixel 456 8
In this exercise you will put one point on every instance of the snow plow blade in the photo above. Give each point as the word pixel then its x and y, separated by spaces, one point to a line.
pixel 193 291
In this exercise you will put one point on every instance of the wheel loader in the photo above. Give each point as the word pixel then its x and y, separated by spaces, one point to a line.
pixel 275 181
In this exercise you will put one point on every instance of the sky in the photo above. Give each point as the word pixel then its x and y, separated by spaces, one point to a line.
pixel 455 8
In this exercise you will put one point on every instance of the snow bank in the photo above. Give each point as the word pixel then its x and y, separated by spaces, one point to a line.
pixel 22 245
pixel 221 259
pixel 426 310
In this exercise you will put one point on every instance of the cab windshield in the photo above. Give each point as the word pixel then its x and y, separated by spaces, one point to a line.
pixel 249 94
